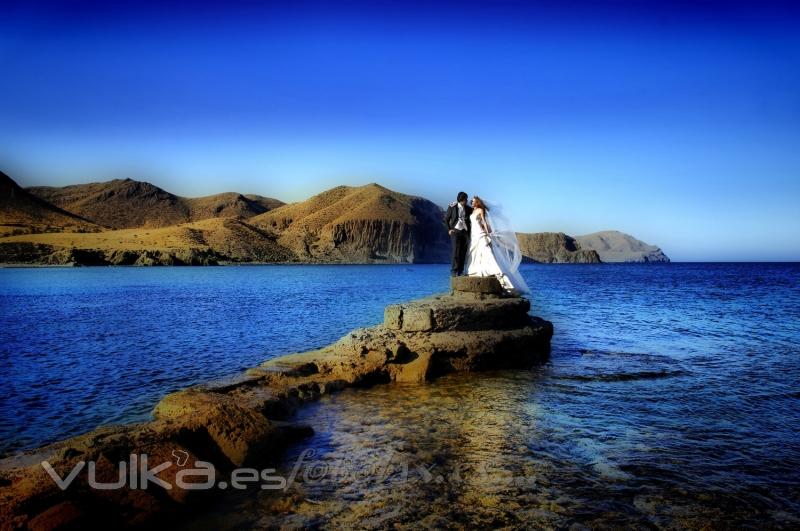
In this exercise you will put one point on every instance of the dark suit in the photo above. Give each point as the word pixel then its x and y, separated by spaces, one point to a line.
pixel 459 238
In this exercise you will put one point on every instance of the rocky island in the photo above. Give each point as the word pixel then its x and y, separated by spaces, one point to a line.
pixel 244 420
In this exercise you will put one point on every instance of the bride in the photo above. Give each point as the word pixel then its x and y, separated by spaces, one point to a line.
pixel 494 250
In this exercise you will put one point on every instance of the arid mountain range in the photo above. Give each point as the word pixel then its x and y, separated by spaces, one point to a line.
pixel 129 204
pixel 128 222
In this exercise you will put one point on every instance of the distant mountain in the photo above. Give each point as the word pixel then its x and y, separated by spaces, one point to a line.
pixel 126 203
pixel 367 224
pixel 127 222
pixel 554 248
pixel 615 246
pixel 23 213
pixel 360 224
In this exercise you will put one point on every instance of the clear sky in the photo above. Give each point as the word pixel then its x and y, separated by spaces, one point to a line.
pixel 678 122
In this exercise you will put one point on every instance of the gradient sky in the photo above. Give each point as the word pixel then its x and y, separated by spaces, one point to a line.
pixel 678 122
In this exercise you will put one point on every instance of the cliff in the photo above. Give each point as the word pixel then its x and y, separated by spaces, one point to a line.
pixel 240 421
pixel 360 224
pixel 554 247
pixel 615 246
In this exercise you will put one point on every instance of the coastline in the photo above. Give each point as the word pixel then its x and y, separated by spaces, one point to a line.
pixel 382 263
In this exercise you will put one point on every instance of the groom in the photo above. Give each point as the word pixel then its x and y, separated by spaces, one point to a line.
pixel 457 221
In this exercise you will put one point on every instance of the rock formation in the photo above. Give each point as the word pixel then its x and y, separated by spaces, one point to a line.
pixel 554 248
pixel 615 246
pixel 360 224
pixel 240 421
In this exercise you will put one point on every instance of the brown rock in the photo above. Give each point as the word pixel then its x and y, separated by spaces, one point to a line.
pixel 442 312
pixel 472 284
pixel 393 316
pixel 417 318
pixel 243 435
pixel 555 248
pixel 56 517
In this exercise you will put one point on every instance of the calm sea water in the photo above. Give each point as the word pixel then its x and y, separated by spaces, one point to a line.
pixel 672 397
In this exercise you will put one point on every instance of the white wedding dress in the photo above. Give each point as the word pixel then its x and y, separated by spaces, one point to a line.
pixel 495 254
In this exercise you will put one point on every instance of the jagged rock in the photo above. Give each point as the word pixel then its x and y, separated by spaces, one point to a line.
pixel 238 420
pixel 24 252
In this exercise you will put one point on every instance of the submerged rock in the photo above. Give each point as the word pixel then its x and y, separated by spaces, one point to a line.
pixel 239 421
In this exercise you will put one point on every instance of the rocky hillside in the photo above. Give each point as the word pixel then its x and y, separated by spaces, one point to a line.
pixel 205 242
pixel 230 204
pixel 554 248
pixel 23 213
pixel 360 224
pixel 615 246
pixel 127 222
pixel 126 203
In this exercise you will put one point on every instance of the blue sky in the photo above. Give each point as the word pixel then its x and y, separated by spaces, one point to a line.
pixel 678 122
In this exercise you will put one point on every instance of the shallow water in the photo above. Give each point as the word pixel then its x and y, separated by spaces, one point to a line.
pixel 519 449
pixel 670 399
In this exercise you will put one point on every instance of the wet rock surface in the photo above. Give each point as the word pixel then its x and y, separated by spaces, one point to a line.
pixel 239 421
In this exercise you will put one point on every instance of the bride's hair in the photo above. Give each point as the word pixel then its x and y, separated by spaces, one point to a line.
pixel 477 202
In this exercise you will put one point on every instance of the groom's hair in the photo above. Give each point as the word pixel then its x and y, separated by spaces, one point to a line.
pixel 462 196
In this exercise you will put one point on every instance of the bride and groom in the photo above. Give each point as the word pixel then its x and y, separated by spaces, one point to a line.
pixel 483 244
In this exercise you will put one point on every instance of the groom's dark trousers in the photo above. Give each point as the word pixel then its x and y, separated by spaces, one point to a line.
pixel 460 241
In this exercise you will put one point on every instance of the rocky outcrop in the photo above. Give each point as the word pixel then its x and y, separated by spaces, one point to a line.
pixel 240 421
pixel 426 338
pixel 26 253
pixel 554 248
pixel 615 246
pixel 366 240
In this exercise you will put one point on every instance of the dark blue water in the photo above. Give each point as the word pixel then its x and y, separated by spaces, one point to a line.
pixel 88 346
pixel 672 397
